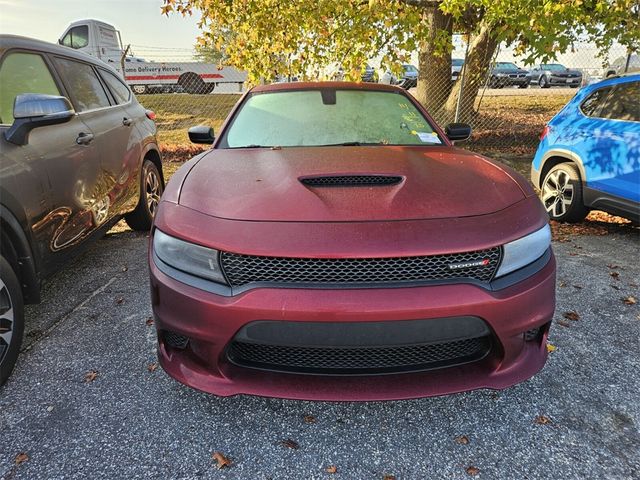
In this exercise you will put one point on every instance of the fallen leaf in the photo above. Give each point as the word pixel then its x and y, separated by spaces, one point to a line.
pixel 634 285
pixel 290 444
pixel 221 460
pixel 473 471
pixel 542 420
pixel 90 376
pixel 630 300
pixel 125 268
pixel 551 348
pixel 614 267
pixel 572 315
pixel 562 323
pixel 50 408
pixel 462 440
pixel 331 469
pixel 119 300
pixel 152 367
pixel 562 284
pixel 149 321
pixel 615 275
pixel 389 477
pixel 21 458
pixel 309 419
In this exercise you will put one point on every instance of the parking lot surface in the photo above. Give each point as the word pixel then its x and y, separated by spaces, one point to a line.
pixel 86 400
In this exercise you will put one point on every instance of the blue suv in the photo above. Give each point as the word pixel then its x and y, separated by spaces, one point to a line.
pixel 589 154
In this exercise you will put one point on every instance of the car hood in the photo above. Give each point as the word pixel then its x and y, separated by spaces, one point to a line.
pixel 265 184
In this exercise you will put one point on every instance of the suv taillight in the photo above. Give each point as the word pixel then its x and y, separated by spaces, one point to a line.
pixel 544 132
pixel 151 115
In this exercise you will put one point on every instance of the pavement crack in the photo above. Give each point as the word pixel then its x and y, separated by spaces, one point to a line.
pixel 42 334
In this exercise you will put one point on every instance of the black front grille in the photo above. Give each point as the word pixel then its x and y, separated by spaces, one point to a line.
pixel 245 269
pixel 358 360
pixel 351 180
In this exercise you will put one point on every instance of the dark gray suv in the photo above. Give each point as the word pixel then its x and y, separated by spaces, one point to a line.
pixel 77 153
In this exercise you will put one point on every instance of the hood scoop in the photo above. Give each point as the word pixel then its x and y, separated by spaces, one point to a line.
pixel 351 180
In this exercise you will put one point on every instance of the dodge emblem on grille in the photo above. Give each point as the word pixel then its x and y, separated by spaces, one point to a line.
pixel 474 263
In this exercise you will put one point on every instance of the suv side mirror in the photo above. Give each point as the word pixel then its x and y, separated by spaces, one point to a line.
pixel 32 110
pixel 201 134
pixel 458 131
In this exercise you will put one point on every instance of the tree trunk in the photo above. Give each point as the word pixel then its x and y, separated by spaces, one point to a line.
pixel 434 62
pixel 481 50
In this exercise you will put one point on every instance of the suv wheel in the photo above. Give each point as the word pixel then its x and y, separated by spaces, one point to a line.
pixel 150 192
pixel 11 319
pixel 561 194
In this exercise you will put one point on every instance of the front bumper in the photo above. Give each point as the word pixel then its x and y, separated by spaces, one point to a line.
pixel 211 321
pixel 564 81
pixel 510 81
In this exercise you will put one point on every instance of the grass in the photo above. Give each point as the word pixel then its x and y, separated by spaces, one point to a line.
pixel 177 112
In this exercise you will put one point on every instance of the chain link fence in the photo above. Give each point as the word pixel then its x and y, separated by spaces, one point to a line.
pixel 511 107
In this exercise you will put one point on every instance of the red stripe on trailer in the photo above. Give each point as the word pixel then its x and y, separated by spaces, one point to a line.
pixel 169 77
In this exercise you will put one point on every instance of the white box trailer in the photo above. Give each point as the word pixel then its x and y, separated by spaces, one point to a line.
pixel 103 41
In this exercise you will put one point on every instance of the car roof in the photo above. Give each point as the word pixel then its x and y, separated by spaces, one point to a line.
pixel 24 43
pixel 294 86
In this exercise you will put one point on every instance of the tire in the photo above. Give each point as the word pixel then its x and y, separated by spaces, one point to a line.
pixel 493 82
pixel 139 89
pixel 151 188
pixel 543 82
pixel 523 85
pixel 193 84
pixel 11 319
pixel 561 194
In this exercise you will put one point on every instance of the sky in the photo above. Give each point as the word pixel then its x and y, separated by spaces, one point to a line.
pixel 139 21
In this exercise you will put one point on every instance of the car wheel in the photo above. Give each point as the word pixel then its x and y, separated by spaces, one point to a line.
pixel 151 190
pixel 193 83
pixel 523 85
pixel 561 194
pixel 493 82
pixel 543 82
pixel 11 319
pixel 139 89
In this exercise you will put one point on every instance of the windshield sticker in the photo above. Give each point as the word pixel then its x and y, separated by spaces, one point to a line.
pixel 428 137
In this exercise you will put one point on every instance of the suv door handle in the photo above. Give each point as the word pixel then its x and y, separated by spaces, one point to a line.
pixel 84 138
pixel 126 121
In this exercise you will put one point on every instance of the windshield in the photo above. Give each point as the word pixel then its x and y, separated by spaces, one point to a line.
pixel 554 67
pixel 457 62
pixel 327 117
pixel 506 66
pixel 409 68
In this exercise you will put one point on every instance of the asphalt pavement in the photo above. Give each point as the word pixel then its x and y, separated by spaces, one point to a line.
pixel 86 400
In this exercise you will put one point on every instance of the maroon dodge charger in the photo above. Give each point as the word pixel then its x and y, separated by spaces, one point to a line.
pixel 334 244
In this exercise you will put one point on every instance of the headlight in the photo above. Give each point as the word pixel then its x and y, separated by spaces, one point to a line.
pixel 501 75
pixel 525 250
pixel 188 257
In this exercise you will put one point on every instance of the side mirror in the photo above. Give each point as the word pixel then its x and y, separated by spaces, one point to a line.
pixel 458 131
pixel 201 134
pixel 32 110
